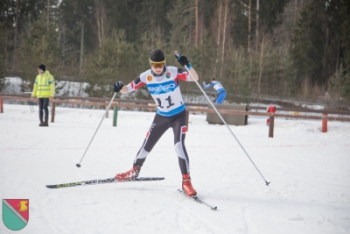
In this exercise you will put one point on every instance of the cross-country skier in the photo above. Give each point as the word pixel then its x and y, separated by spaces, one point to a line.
pixel 163 84
pixel 220 91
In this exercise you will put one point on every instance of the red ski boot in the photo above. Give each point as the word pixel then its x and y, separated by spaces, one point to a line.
pixel 187 185
pixel 129 175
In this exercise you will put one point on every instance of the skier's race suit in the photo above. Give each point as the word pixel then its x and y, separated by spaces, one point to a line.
pixel 220 91
pixel 171 112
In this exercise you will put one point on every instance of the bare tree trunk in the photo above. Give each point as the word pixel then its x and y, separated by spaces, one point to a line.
pixel 224 39
pixel 197 26
pixel 338 53
pixel 48 14
pixel 42 49
pixel 295 12
pixel 64 44
pixel 81 49
pixel 257 24
pixel 102 29
pixel 14 59
pixel 249 22
pixel 325 70
pixel 218 38
pixel 202 36
pixel 98 28
pixel 152 34
pixel 97 15
pixel 260 67
pixel 6 41
pixel 100 15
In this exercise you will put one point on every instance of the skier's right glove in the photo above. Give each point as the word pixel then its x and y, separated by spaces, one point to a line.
pixel 118 86
pixel 182 59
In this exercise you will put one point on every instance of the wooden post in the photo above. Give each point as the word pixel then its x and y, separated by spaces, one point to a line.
pixel 187 118
pixel 115 116
pixel 271 126
pixel 1 106
pixel 324 123
pixel 53 112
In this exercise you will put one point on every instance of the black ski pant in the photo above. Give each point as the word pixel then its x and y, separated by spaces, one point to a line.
pixel 159 126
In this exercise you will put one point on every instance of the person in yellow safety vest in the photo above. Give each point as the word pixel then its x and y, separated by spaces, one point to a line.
pixel 44 90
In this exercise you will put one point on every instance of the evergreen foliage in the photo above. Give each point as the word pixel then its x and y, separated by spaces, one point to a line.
pixel 102 41
pixel 2 51
pixel 36 48
pixel 113 61
pixel 339 85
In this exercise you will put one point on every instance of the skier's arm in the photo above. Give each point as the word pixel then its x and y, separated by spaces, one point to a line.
pixel 207 86
pixel 194 74
pixel 132 86
pixel 182 59
pixel 124 89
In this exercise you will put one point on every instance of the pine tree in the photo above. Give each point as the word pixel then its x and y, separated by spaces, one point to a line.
pixel 112 62
pixel 37 48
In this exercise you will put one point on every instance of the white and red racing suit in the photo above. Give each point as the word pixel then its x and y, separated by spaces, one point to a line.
pixel 171 112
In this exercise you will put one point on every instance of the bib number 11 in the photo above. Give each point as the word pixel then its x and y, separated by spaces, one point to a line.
pixel 168 99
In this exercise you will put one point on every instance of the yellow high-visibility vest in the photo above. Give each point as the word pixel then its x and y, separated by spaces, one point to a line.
pixel 44 86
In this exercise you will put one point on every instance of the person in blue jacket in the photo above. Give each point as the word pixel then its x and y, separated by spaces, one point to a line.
pixel 220 91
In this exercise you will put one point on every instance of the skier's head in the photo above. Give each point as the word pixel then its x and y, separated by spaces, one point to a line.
pixel 212 78
pixel 41 67
pixel 157 62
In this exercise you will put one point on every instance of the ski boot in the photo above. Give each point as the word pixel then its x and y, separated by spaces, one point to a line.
pixel 129 175
pixel 187 185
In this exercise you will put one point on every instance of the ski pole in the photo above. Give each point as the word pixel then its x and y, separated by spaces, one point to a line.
pixel 177 55
pixel 109 105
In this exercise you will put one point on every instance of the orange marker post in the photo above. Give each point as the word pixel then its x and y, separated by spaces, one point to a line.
pixel 324 123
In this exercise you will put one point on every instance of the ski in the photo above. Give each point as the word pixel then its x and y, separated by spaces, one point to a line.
pixel 196 199
pixel 102 181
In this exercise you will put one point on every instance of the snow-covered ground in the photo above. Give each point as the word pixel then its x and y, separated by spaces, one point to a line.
pixel 309 173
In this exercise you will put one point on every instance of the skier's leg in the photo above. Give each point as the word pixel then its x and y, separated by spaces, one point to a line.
pixel 179 125
pixel 221 98
pixel 157 129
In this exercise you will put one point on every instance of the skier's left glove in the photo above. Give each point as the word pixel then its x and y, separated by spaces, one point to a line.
pixel 182 59
pixel 118 86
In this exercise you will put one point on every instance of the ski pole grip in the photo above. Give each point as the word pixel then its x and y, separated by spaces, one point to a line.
pixel 177 54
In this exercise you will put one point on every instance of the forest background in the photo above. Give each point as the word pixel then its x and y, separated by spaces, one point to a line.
pixel 281 48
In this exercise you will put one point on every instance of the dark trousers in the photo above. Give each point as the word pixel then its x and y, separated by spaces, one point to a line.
pixel 159 126
pixel 43 107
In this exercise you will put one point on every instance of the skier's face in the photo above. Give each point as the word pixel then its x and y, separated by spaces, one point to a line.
pixel 157 68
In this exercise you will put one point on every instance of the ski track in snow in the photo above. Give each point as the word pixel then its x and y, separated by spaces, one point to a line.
pixel 309 173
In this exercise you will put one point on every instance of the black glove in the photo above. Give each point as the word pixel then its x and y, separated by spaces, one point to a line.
pixel 184 61
pixel 118 86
